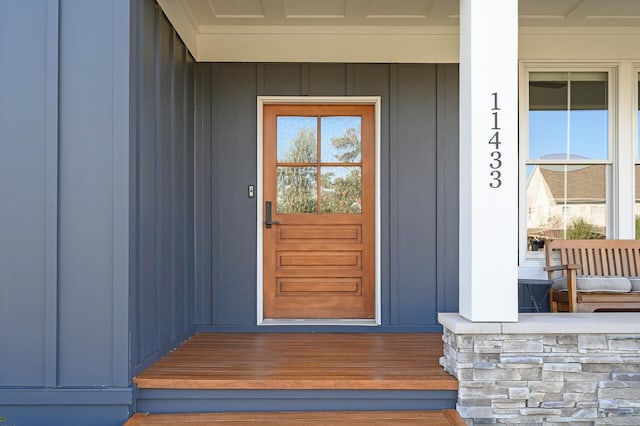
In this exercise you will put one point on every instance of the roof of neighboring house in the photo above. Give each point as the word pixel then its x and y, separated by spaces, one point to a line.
pixel 584 184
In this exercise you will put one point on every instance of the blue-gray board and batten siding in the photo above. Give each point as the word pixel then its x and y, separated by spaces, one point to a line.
pixel 128 228
pixel 96 161
pixel 162 185
pixel 419 185
pixel 64 214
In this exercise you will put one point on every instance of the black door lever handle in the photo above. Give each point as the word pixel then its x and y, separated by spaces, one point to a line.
pixel 268 222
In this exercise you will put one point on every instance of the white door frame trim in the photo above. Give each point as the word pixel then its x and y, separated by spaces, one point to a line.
pixel 326 100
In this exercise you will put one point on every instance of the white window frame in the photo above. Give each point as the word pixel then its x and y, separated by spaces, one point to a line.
pixel 617 181
pixel 635 132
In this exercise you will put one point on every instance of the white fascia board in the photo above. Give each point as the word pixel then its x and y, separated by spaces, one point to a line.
pixel 310 47
pixel 576 47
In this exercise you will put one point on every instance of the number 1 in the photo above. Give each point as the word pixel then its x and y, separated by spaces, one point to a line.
pixel 495 101
pixel 495 121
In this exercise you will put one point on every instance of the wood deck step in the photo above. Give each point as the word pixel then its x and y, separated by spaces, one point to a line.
pixel 369 418
pixel 320 361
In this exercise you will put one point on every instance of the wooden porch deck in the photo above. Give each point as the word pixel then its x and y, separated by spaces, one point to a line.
pixel 302 361
pixel 369 418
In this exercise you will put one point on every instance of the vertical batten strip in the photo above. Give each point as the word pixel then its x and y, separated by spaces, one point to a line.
pixel 157 171
pixel 304 79
pixel 186 219
pixel 202 184
pixel 173 177
pixel 349 80
pixel 394 135
pixel 51 194
pixel 122 135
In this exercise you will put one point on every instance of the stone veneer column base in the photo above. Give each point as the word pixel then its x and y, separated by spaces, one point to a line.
pixel 546 369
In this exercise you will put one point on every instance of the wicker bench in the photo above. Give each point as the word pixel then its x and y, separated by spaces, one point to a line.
pixel 596 275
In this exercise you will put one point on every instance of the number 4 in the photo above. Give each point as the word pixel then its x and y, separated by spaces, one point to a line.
pixel 495 140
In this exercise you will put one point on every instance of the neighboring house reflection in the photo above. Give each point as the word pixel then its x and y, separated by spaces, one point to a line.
pixel 566 201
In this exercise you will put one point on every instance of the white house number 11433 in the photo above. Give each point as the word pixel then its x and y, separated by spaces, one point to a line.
pixel 496 156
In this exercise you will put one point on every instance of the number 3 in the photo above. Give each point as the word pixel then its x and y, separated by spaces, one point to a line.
pixel 497 181
pixel 497 162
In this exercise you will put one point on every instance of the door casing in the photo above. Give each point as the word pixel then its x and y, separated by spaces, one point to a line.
pixel 318 100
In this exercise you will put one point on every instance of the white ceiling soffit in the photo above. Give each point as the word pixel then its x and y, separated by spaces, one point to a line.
pixel 263 25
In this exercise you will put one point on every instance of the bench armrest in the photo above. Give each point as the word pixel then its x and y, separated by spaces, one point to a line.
pixel 572 274
pixel 562 267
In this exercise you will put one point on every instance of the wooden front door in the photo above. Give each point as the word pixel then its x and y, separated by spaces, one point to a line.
pixel 319 221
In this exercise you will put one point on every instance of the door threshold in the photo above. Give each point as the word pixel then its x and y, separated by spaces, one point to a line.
pixel 323 321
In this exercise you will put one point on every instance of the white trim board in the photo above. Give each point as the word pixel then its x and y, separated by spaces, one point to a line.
pixel 326 100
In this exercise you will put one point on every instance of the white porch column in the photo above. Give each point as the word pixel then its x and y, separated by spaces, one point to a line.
pixel 489 160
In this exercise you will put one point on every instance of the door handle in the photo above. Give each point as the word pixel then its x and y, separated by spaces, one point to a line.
pixel 268 222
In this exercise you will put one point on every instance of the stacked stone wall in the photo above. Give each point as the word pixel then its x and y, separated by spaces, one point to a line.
pixel 541 379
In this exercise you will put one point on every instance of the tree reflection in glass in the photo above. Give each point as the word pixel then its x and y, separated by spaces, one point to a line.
pixel 341 190
pixel 339 185
pixel 297 189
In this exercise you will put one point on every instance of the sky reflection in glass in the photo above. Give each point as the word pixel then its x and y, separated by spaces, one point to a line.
pixel 564 134
pixel 289 131
pixel 335 127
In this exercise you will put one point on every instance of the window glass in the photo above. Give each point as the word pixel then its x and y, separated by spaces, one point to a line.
pixel 297 189
pixel 296 139
pixel 341 142
pixel 341 190
pixel 568 116
pixel 319 164
pixel 565 202
pixel 566 190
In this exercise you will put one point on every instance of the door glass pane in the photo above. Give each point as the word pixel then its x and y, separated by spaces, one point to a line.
pixel 297 140
pixel 341 190
pixel 568 115
pixel 565 202
pixel 341 139
pixel 297 189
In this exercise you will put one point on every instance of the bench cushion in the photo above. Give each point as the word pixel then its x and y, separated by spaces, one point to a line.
pixel 586 283
pixel 635 284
